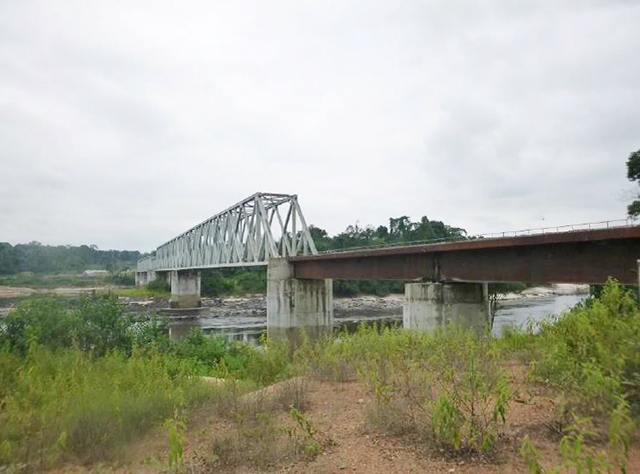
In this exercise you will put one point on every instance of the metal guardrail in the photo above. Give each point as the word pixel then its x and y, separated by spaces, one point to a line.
pixel 565 228
pixel 611 224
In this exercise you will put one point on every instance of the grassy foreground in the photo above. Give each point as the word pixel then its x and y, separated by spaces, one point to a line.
pixel 80 379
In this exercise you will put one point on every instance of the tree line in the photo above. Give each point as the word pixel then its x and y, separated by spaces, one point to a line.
pixel 399 230
pixel 38 258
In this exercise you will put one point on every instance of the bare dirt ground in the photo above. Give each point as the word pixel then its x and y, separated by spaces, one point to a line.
pixel 337 411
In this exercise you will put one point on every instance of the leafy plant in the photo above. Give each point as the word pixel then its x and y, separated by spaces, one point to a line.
pixel 176 427
pixel 577 450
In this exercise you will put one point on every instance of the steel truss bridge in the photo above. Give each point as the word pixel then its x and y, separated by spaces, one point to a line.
pixel 266 226
pixel 251 232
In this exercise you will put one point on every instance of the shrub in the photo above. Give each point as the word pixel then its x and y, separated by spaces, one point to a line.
pixel 577 450
pixel 212 355
pixel 42 319
pixel 92 324
pixel 205 352
pixel 593 351
pixel 215 284
pixel 251 282
pixel 447 388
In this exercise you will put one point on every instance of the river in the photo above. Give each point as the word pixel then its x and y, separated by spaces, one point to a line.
pixel 249 327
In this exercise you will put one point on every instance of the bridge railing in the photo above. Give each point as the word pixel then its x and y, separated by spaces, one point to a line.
pixel 611 224
pixel 628 222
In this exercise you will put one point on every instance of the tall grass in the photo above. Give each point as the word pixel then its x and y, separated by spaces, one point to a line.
pixel 80 378
pixel 65 402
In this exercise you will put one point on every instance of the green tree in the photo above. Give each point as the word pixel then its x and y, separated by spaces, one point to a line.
pixel 633 173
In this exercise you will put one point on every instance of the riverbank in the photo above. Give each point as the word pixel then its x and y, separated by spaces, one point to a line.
pixel 367 401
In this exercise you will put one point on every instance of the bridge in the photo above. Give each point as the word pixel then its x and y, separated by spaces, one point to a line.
pixel 447 281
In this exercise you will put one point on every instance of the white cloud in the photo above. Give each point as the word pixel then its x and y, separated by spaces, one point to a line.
pixel 124 124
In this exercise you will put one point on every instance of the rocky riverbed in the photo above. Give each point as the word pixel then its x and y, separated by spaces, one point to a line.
pixel 255 305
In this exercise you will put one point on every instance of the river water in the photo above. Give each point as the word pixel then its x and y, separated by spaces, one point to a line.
pixel 522 311
pixel 517 312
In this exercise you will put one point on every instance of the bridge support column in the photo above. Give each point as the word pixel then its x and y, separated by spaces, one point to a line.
pixel 144 278
pixel 429 305
pixel 185 289
pixel 296 306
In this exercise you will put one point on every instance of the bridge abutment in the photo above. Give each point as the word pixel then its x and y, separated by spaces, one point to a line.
pixel 429 305
pixel 296 306
pixel 185 289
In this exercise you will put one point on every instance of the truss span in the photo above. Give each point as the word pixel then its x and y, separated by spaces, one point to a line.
pixel 261 227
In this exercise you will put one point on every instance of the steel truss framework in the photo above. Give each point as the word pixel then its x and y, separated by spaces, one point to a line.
pixel 251 232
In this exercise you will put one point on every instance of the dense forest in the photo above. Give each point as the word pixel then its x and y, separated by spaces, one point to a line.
pixel 38 258
pixel 400 230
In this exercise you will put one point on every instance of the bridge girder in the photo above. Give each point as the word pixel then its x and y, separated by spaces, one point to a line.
pixel 584 256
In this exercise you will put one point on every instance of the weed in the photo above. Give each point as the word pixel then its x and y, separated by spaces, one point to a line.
pixel 530 456
pixel 310 445
pixel 176 427
pixel 446 387
pixel 256 442
pixel 577 446
pixel 293 393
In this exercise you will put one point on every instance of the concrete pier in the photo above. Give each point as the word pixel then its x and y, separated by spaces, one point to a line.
pixel 296 306
pixel 185 289
pixel 429 305
pixel 144 278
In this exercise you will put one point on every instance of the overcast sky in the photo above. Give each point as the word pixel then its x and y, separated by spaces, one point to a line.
pixel 123 124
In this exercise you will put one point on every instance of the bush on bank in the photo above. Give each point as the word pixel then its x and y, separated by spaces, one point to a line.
pixel 591 352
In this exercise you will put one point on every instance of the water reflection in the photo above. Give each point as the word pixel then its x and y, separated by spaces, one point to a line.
pixel 254 327
pixel 250 328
